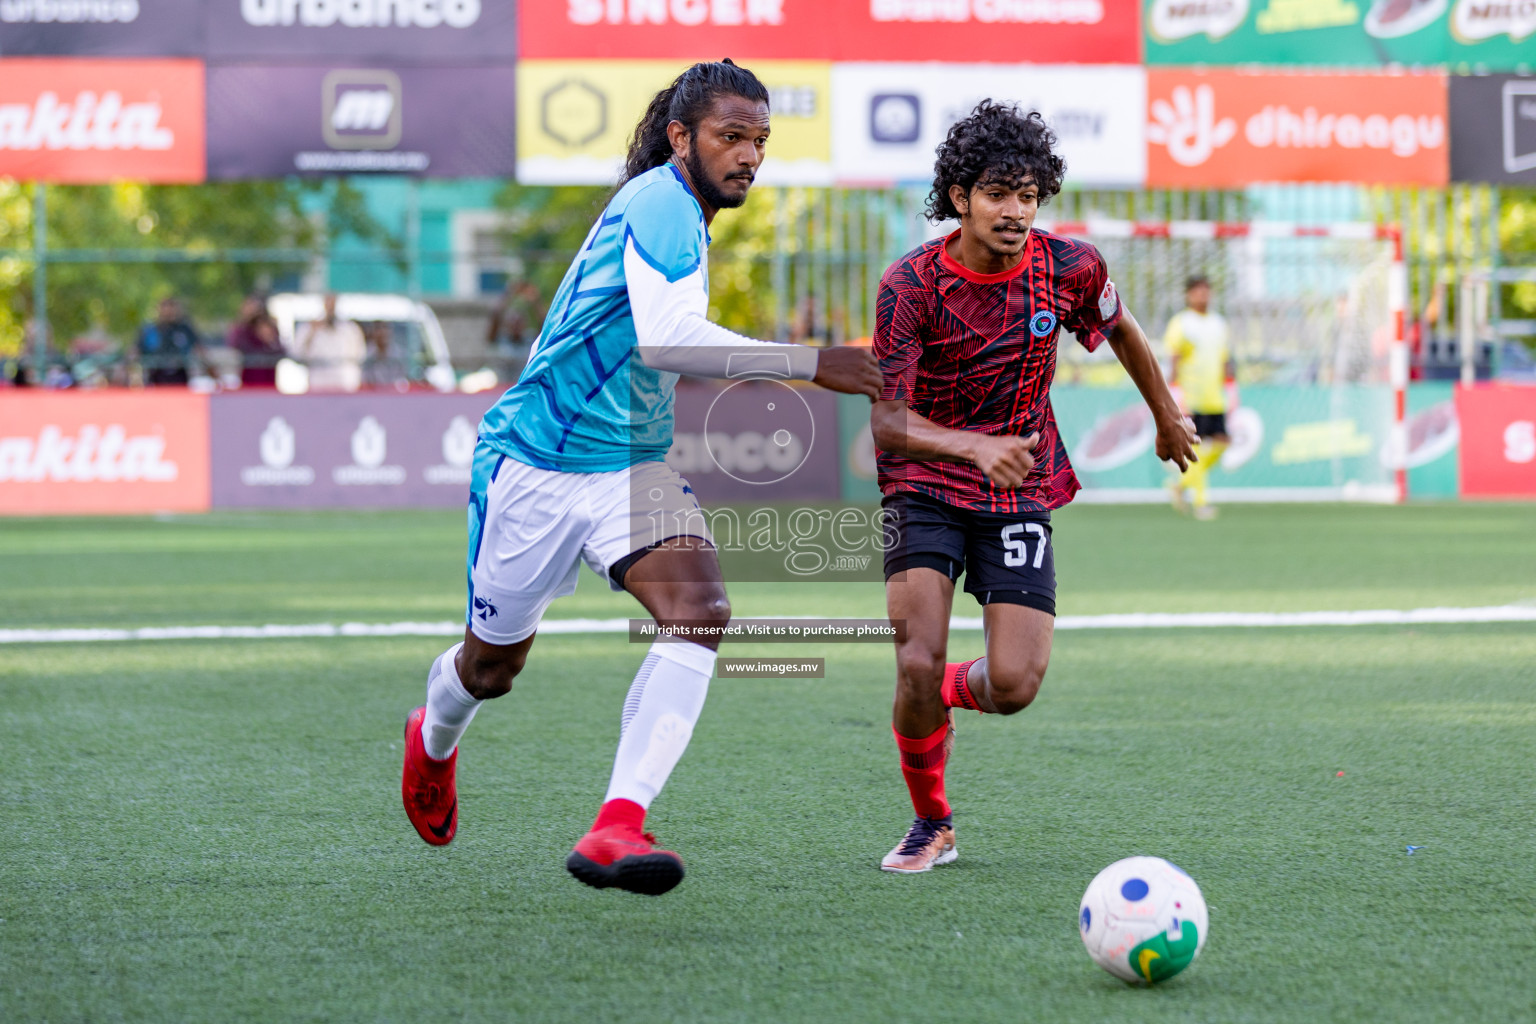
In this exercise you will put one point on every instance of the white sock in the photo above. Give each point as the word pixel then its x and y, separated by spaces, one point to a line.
pixel 449 707
pixel 663 704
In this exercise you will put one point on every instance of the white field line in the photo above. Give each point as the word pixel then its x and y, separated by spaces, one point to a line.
pixel 1135 620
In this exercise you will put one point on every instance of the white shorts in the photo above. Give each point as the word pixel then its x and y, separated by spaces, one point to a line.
pixel 530 529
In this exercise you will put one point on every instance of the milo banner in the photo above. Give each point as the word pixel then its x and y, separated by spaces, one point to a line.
pixel 1297 444
pixel 1476 34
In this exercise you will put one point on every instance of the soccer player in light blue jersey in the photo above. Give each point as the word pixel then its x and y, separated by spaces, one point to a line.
pixel 570 469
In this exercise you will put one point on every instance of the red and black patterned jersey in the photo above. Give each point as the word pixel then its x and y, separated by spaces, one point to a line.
pixel 977 352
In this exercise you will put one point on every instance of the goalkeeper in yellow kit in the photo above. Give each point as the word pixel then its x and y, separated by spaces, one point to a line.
pixel 1201 356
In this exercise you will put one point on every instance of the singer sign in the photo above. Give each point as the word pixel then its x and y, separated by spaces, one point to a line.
pixel 91 121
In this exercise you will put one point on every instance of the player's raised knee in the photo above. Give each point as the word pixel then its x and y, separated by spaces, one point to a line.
pixel 1014 687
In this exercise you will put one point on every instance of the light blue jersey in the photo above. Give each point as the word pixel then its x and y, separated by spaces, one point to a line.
pixel 586 403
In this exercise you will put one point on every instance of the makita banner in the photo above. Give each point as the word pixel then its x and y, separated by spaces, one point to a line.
pixel 271 121
pixel 888 118
pixel 326 451
pixel 399 31
pixel 88 453
pixel 1493 129
pixel 129 28
pixel 84 122
pixel 1058 31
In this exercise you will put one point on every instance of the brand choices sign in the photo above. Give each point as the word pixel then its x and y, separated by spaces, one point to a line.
pixel 1228 128
pixel 888 118
pixel 270 121
pixel 1493 129
pixel 1058 31
pixel 90 121
pixel 344 450
pixel 574 118
pixel 89 453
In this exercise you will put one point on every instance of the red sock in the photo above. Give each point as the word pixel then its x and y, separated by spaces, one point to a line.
pixel 956 692
pixel 922 765
pixel 620 812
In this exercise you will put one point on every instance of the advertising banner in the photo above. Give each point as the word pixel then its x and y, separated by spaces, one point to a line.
pixel 267 121
pixel 84 122
pixel 1498 440
pixel 887 119
pixel 1226 129
pixel 1287 444
pixel 1061 31
pixel 1493 128
pixel 396 31
pixel 90 453
pixel 1486 34
pixel 80 28
pixel 322 451
pixel 575 118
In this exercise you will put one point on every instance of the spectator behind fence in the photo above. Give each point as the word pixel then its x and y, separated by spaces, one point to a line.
pixel 334 350
pixel 384 367
pixel 516 319
pixel 166 344
pixel 254 336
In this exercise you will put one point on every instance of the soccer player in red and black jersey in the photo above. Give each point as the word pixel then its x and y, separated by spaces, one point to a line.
pixel 971 463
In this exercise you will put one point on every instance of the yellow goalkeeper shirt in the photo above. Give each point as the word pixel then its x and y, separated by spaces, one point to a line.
pixel 1198 344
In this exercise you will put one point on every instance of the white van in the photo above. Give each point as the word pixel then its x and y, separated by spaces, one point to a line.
pixel 417 351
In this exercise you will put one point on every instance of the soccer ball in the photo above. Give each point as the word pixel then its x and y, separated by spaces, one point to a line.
pixel 1143 919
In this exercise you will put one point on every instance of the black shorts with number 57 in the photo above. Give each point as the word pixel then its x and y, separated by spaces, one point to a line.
pixel 1006 556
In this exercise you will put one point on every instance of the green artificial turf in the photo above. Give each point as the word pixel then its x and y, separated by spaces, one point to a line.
pixel 211 831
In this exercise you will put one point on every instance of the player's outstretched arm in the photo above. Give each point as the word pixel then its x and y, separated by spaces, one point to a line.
pixel 675 334
pixel 1005 458
pixel 1176 438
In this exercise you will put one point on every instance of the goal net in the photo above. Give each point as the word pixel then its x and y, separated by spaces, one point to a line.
pixel 1315 321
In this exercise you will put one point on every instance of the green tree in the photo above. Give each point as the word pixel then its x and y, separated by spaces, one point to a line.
pixel 167 240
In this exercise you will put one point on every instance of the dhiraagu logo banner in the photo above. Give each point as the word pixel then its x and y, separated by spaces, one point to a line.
pixel 1481 35
pixel 574 118
pixel 1299 443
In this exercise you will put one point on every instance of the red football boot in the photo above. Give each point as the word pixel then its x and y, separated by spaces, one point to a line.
pixel 620 856
pixel 427 787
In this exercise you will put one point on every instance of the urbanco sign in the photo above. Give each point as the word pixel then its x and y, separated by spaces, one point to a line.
pixel 400 30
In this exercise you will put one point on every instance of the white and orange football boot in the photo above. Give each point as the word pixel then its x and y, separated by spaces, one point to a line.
pixel 928 843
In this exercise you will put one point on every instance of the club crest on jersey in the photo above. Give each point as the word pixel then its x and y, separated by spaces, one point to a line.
pixel 1108 300
pixel 1042 323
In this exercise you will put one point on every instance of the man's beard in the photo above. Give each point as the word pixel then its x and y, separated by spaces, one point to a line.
pixel 708 190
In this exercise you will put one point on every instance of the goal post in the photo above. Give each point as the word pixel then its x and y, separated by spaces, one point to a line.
pixel 1316 315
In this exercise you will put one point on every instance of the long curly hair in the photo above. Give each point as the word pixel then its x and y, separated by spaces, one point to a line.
pixel 688 99
pixel 995 142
